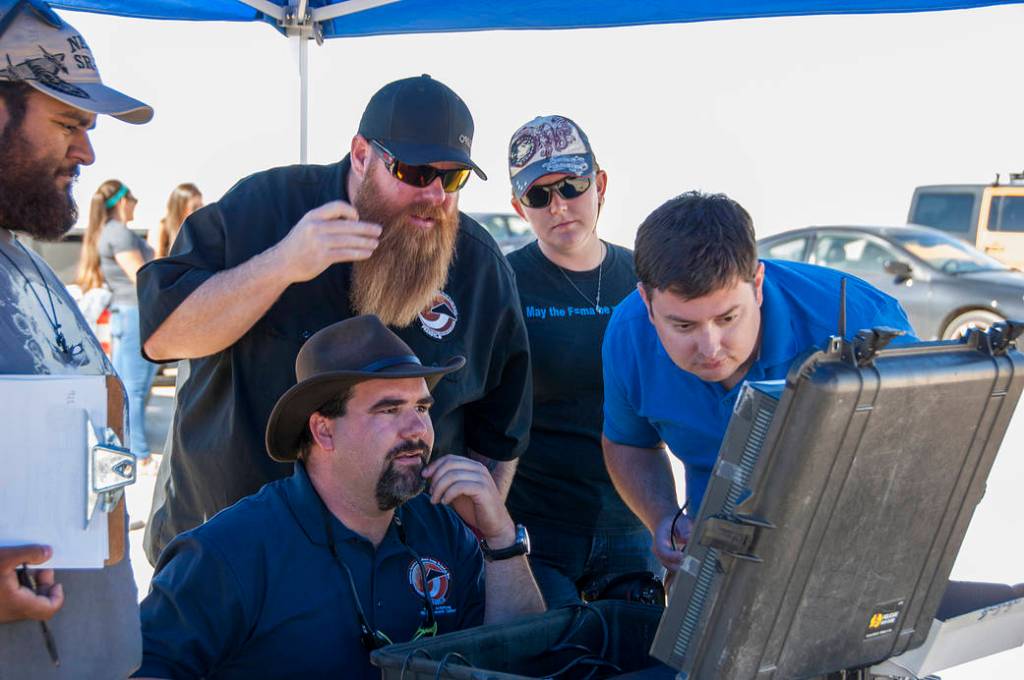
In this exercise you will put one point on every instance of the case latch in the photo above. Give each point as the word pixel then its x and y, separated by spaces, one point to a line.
pixel 869 342
pixel 1002 335
pixel 111 468
pixel 732 534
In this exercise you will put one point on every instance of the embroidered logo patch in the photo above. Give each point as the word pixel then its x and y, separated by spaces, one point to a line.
pixel 439 317
pixel 438 580
pixel 522 150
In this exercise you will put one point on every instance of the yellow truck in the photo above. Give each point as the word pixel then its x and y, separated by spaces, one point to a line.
pixel 988 216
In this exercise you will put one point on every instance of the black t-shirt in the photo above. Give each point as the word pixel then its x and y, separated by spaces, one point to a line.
pixel 217 451
pixel 562 480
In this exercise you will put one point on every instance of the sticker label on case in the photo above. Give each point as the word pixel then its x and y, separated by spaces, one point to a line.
pixel 883 619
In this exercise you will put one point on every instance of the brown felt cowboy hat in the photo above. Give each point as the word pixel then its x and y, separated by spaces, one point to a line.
pixel 345 353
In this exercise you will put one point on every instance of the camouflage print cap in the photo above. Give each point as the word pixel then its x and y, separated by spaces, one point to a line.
pixel 40 49
pixel 544 146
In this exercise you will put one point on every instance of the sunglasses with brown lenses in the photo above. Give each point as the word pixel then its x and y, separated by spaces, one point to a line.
pixel 422 175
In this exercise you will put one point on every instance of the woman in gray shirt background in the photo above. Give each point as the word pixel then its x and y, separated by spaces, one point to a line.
pixel 111 255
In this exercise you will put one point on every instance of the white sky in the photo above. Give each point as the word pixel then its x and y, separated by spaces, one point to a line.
pixel 810 120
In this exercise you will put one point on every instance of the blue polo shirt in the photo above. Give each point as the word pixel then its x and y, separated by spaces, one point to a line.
pixel 255 592
pixel 649 400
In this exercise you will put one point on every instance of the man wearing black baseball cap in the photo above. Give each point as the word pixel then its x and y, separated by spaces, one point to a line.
pixel 50 97
pixel 291 250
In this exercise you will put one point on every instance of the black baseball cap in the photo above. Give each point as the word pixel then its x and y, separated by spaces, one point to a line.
pixel 421 120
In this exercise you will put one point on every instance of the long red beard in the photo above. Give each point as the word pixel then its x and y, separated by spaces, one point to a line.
pixel 410 264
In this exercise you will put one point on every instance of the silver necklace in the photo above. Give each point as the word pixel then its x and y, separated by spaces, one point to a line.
pixel 596 303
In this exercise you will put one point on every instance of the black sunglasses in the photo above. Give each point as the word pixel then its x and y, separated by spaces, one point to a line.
pixel 422 175
pixel 539 195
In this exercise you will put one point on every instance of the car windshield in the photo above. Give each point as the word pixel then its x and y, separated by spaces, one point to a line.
pixel 947 254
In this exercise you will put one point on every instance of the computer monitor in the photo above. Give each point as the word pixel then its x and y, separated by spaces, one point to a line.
pixel 837 507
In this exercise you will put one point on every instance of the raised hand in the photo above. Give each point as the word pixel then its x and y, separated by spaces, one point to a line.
pixel 469 489
pixel 324 236
pixel 671 558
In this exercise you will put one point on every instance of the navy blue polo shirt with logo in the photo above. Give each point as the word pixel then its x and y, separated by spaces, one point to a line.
pixel 255 592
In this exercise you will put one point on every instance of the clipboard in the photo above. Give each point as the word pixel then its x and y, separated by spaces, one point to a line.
pixel 117 518
pixel 64 463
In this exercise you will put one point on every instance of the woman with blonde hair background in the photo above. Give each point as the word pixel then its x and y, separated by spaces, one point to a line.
pixel 183 201
pixel 113 254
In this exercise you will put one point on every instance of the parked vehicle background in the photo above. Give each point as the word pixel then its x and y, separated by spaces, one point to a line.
pixel 945 285
pixel 988 216
pixel 510 230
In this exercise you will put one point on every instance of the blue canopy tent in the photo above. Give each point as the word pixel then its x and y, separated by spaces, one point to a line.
pixel 306 20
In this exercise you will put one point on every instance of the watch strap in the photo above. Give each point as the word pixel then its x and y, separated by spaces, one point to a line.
pixel 520 547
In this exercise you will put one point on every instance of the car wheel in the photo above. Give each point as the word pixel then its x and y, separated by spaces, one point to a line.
pixel 975 318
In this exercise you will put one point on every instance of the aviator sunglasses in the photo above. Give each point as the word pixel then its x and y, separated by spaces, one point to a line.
pixel 422 175
pixel 539 195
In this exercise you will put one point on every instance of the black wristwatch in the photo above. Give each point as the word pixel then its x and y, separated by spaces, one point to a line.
pixel 520 547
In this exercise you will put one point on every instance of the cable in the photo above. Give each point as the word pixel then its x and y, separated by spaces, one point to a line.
pixel 574 627
pixel 410 656
pixel 429 627
pixel 672 532
pixel 591 659
pixel 370 637
pixel 444 662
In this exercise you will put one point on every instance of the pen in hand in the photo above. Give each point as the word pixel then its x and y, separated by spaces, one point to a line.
pixel 26 580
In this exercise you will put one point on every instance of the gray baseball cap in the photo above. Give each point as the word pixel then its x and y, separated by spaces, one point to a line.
pixel 42 50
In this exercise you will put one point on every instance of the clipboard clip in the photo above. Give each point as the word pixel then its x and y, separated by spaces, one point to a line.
pixel 111 467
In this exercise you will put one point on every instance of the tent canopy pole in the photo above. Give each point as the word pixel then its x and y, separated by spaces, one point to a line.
pixel 305 24
pixel 303 99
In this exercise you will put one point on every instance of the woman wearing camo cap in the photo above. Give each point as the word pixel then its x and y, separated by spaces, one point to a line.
pixel 569 280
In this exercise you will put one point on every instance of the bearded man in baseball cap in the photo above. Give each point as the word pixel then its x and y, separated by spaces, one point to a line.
pixel 50 96
pixel 291 250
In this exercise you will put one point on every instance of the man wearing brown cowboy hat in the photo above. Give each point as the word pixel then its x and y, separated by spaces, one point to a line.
pixel 307 576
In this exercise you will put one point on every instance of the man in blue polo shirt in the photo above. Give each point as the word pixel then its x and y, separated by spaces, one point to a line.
pixel 310 574
pixel 706 315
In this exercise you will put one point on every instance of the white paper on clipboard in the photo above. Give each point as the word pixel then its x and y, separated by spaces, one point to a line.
pixel 44 466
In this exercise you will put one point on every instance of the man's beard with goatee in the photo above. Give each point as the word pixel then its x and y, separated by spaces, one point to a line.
pixel 30 201
pixel 395 487
pixel 410 264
